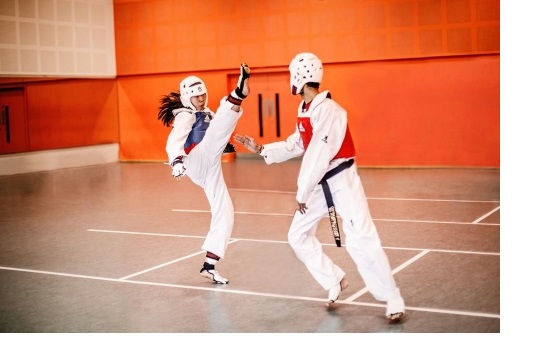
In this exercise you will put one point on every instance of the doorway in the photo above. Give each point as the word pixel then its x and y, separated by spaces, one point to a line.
pixel 269 112
pixel 13 121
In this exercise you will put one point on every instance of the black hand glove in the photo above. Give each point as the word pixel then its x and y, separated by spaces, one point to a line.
pixel 245 72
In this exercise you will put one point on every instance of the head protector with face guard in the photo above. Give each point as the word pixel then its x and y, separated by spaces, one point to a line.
pixel 305 68
pixel 191 86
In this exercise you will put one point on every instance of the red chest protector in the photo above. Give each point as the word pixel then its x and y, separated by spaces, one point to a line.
pixel 305 128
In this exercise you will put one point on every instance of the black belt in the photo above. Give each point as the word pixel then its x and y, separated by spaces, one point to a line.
pixel 328 197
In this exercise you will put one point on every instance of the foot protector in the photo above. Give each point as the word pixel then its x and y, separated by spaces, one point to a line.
pixel 334 292
pixel 395 318
pixel 395 310
pixel 213 275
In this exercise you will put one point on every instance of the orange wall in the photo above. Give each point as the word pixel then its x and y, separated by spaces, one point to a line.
pixel 71 113
pixel 422 112
pixel 155 36
pixel 420 78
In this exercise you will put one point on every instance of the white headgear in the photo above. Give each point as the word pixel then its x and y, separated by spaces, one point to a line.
pixel 305 68
pixel 191 86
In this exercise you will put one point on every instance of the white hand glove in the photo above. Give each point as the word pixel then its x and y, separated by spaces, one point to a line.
pixel 249 143
pixel 178 170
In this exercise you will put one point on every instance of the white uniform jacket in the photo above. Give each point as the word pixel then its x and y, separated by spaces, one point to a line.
pixel 329 121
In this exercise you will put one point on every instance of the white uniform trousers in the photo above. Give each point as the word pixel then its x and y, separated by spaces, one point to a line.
pixel 204 167
pixel 361 238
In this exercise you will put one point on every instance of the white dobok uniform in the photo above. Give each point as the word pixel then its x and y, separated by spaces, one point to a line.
pixel 325 149
pixel 204 165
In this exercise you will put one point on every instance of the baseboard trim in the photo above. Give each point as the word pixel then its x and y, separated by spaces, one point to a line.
pixel 47 160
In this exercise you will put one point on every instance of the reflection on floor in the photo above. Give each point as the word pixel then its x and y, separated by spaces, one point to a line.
pixel 116 248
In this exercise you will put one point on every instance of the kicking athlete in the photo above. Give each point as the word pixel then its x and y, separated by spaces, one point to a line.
pixel 195 146
pixel 323 137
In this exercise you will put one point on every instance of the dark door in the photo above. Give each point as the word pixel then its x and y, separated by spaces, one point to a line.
pixel 269 113
pixel 13 122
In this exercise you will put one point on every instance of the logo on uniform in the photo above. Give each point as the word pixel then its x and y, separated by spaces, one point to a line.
pixel 324 139
pixel 206 116
pixel 301 127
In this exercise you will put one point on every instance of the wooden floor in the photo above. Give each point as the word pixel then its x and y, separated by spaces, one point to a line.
pixel 116 248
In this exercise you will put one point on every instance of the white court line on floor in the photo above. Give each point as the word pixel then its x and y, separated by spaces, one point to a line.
pixel 286 242
pixel 439 222
pixel 236 212
pixel 432 200
pixel 326 216
pixel 226 290
pixel 486 215
pixel 394 271
pixel 375 198
pixel 168 263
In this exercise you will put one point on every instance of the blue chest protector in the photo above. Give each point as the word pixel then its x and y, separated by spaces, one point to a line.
pixel 199 128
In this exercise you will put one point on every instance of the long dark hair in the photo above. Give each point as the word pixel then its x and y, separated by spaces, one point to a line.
pixel 168 103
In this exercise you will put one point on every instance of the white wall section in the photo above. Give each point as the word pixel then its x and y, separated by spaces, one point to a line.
pixel 57 38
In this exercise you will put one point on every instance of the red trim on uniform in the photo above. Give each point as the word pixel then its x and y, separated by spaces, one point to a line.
pixel 212 256
pixel 190 147
pixel 234 100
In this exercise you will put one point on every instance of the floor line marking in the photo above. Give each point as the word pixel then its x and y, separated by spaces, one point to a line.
pixel 378 198
pixel 385 220
pixel 486 215
pixel 269 295
pixel 236 212
pixel 161 265
pixel 167 263
pixel 286 242
pixel 394 271
pixel 145 233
